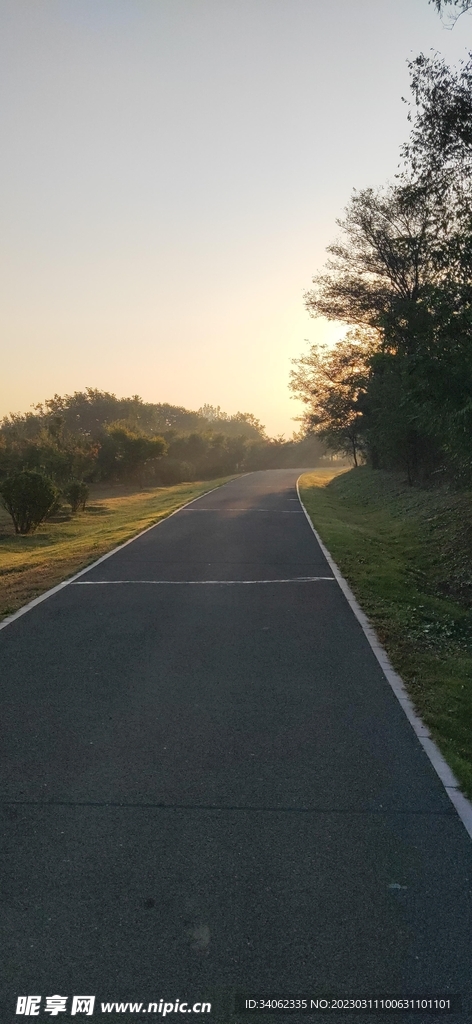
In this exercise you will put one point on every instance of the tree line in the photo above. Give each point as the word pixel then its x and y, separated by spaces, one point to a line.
pixel 54 452
pixel 396 391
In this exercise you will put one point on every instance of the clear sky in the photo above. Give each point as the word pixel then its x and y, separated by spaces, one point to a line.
pixel 171 173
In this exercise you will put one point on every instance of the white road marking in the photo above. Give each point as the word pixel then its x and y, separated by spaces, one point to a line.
pixel 273 511
pixel 462 805
pixel 198 583
pixel 66 583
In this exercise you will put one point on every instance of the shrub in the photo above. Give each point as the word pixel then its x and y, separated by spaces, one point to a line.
pixel 29 498
pixel 76 493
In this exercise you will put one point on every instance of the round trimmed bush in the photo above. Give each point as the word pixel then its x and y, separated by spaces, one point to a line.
pixel 29 497
pixel 76 493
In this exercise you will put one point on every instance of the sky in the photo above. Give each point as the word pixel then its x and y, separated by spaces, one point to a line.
pixel 171 175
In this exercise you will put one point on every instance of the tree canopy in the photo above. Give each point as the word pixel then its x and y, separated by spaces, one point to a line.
pixel 401 274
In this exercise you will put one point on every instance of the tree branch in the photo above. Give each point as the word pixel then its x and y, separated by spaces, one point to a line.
pixel 459 7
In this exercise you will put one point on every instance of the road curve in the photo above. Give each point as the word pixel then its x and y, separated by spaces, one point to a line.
pixel 208 786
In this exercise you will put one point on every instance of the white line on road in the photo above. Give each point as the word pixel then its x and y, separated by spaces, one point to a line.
pixel 198 583
pixel 273 511
pixel 66 583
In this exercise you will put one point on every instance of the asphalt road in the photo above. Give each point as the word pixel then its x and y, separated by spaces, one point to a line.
pixel 209 787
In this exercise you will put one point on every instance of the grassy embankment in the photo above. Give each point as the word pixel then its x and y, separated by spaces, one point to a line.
pixel 407 554
pixel 59 548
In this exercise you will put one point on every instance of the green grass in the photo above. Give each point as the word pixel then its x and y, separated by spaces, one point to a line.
pixel 407 554
pixel 60 547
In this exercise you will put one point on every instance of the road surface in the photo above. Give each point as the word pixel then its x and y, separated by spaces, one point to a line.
pixel 208 786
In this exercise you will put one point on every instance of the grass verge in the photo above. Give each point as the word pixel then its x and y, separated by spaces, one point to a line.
pixel 407 554
pixel 60 547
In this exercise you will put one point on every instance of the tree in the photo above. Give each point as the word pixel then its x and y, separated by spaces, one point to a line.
pixel 458 7
pixel 439 150
pixel 402 268
pixel 393 427
pixel 212 413
pixel 56 454
pixel 331 382
pixel 379 265
pixel 76 493
pixel 91 411
pixel 29 498
pixel 126 454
